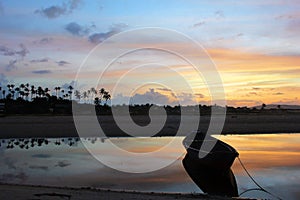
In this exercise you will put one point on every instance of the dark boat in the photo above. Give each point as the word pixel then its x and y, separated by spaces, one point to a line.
pixel 211 173
pixel 220 156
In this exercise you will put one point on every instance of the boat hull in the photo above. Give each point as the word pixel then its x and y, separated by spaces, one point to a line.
pixel 221 156
pixel 210 180
pixel 210 170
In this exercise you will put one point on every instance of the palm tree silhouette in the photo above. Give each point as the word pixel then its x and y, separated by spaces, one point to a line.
pixel 85 96
pixel 40 91
pixel 70 91
pixel 32 91
pixel 17 89
pixel 77 94
pixel 106 96
pixel 57 90
pixel 26 93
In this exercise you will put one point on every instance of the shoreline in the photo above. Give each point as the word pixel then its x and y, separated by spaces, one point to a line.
pixel 18 191
pixel 24 126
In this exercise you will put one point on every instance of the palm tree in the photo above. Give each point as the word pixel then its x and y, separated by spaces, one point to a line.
pixel 10 89
pixel 56 91
pixel 106 96
pixel 22 86
pixel 40 91
pixel 22 94
pixel 85 96
pixel 96 101
pixel 13 94
pixel 32 91
pixel 17 89
pixel 77 94
pixel 70 92
pixel 46 92
pixel 66 96
pixel 26 93
pixel 101 92
pixel 63 93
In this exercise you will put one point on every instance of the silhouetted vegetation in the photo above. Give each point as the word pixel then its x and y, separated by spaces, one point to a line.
pixel 30 99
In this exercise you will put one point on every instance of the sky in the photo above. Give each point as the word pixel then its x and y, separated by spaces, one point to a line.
pixel 254 45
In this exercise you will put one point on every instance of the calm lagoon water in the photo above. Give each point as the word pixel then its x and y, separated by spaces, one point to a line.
pixel 272 159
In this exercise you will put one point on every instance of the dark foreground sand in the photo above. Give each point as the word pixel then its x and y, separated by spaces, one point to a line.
pixel 63 126
pixel 22 192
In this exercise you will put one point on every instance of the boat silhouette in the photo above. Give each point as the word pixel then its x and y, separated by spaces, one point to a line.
pixel 208 167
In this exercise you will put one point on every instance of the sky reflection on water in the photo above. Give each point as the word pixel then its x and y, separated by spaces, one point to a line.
pixel 273 160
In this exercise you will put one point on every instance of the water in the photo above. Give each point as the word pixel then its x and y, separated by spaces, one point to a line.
pixel 272 159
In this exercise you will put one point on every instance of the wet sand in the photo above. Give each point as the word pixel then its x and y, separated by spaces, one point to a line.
pixel 63 126
pixel 21 192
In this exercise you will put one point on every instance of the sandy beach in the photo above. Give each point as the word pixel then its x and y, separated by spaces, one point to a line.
pixel 21 192
pixel 63 126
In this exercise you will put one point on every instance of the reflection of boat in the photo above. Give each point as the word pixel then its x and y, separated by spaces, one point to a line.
pixel 211 173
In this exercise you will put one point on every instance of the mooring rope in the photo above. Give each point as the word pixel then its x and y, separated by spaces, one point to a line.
pixel 259 187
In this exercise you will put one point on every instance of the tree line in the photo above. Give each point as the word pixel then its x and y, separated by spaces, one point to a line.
pixel 28 92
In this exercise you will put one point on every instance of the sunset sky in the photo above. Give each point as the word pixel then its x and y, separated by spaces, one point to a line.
pixel 254 44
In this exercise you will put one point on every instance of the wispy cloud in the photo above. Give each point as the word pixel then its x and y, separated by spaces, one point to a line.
pixel 23 52
pixel 6 51
pixel 164 89
pixel 56 11
pixel 12 64
pixel 62 63
pixel 41 72
pixel 40 60
pixel 17 55
pixel 150 96
pixel 160 96
pixel 43 41
pixel 199 24
pixel 78 30
pixel 101 36
pixel 278 93
pixel 219 14
pixel 199 95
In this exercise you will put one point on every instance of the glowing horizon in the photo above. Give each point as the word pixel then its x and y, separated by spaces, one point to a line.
pixel 253 44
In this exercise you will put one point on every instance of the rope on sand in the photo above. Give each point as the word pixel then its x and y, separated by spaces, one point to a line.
pixel 260 188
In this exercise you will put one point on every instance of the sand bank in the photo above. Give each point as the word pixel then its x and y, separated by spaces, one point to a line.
pixel 21 192
pixel 63 126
